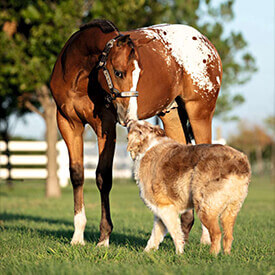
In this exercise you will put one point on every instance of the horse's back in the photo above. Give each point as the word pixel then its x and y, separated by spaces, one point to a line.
pixel 192 51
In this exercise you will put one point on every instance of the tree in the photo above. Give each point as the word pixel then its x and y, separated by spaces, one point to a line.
pixel 40 29
pixel 252 139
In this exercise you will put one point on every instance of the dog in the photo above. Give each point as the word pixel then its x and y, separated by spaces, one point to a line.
pixel 173 178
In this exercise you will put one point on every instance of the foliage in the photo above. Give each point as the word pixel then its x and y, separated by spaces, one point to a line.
pixel 256 142
pixel 249 137
pixel 270 123
pixel 42 27
pixel 35 235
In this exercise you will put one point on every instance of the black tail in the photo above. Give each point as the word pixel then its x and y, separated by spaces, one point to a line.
pixel 186 126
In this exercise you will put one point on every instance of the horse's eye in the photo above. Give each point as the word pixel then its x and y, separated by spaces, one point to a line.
pixel 118 74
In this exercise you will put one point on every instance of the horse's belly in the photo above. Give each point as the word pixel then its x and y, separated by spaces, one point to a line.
pixel 192 51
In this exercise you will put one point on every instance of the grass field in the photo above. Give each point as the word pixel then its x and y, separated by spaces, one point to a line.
pixel 35 235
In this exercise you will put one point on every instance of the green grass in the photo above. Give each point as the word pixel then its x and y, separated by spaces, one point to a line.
pixel 35 235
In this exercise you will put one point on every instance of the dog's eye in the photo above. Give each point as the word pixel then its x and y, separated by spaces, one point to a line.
pixel 118 74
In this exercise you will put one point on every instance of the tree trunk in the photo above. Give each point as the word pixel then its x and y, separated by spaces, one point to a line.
pixel 273 162
pixel 52 183
pixel 49 115
pixel 259 160
pixel 6 138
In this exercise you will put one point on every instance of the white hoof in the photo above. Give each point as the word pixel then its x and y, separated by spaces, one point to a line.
pixel 76 241
pixel 104 243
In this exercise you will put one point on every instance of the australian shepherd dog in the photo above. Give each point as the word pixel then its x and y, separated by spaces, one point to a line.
pixel 173 178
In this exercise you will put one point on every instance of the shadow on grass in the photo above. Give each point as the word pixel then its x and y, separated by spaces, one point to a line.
pixel 9 217
pixel 65 235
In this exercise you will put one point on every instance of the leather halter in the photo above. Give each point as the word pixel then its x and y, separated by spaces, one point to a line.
pixel 102 65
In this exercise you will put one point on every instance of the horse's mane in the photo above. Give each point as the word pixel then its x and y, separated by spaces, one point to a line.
pixel 106 26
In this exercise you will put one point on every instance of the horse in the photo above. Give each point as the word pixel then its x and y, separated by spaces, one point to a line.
pixel 103 76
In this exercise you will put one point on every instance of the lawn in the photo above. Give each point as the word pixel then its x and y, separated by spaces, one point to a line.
pixel 35 235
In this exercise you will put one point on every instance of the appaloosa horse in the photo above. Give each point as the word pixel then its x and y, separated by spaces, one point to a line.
pixel 96 78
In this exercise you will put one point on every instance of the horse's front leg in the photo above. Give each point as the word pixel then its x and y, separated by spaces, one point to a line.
pixel 72 135
pixel 106 145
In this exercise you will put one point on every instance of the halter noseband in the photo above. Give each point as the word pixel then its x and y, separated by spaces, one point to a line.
pixel 102 65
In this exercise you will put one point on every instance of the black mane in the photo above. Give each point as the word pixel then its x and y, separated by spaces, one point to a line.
pixel 106 26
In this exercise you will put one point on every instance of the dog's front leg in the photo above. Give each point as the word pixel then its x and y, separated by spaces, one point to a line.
pixel 158 233
pixel 170 218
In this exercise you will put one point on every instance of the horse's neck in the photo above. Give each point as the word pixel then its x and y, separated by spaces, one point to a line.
pixel 95 40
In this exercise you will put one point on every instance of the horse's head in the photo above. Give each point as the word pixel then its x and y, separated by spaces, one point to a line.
pixel 122 72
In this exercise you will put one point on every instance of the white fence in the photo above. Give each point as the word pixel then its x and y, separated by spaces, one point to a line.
pixel 122 167
pixel 33 154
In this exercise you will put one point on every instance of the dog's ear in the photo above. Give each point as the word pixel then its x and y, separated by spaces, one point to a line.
pixel 159 132
pixel 133 147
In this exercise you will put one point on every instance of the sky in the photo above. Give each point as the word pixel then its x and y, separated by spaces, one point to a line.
pixel 255 20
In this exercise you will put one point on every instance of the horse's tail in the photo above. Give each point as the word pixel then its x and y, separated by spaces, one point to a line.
pixel 186 126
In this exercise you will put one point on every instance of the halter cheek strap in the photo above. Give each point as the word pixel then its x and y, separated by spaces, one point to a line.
pixel 102 65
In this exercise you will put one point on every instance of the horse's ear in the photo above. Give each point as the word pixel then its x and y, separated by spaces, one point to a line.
pixel 123 40
pixel 143 41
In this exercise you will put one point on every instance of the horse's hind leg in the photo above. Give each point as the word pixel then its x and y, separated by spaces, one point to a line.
pixel 106 145
pixel 172 126
pixel 72 134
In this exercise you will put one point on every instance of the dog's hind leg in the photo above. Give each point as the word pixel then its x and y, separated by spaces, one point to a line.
pixel 158 233
pixel 211 222
pixel 170 218
pixel 228 218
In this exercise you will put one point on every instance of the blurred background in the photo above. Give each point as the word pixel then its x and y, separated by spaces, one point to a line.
pixel 32 33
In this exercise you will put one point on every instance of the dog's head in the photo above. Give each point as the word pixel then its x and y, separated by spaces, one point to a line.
pixel 140 135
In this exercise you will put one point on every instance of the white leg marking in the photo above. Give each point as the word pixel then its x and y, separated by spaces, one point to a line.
pixel 104 243
pixel 158 233
pixel 170 218
pixel 79 227
pixel 205 237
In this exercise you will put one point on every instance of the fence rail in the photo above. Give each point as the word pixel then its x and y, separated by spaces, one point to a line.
pixel 34 155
